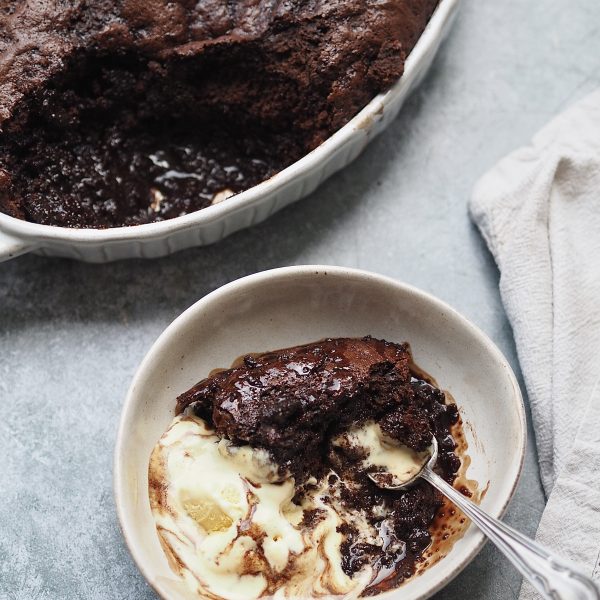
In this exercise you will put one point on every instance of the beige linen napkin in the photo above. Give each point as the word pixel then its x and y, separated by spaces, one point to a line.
pixel 539 212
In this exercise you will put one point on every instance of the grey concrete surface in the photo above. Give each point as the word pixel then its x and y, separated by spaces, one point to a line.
pixel 71 335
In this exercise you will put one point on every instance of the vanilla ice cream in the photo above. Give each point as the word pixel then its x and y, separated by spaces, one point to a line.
pixel 227 521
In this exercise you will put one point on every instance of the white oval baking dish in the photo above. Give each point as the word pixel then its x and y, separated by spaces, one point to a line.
pixel 248 208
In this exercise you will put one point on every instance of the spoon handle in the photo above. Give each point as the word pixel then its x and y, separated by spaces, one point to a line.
pixel 553 577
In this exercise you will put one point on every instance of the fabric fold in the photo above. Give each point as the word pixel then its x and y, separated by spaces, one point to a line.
pixel 539 212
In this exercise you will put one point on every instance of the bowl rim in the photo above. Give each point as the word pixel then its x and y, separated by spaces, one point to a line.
pixel 363 120
pixel 281 274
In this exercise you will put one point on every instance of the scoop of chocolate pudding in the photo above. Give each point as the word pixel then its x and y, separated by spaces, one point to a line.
pixel 291 402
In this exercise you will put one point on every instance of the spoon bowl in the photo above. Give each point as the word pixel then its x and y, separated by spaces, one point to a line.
pixel 392 481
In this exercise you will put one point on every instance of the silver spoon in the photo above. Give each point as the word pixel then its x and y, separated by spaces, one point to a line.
pixel 553 577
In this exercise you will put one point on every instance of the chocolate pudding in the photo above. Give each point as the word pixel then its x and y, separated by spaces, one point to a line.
pixel 296 433
pixel 127 112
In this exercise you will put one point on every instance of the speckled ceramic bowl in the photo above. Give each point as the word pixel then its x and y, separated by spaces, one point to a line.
pixel 295 305
pixel 248 208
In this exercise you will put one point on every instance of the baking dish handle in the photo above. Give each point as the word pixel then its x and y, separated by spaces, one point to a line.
pixel 10 246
